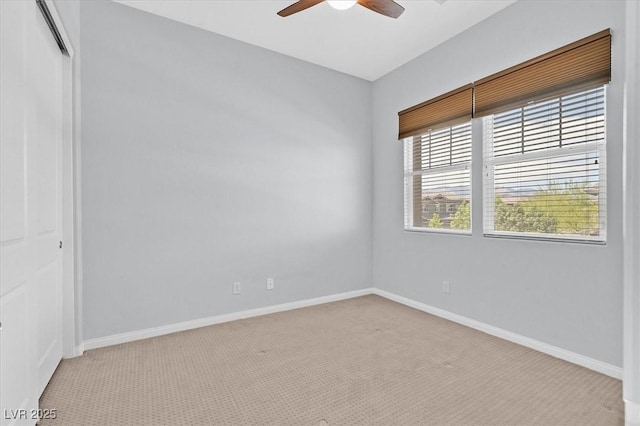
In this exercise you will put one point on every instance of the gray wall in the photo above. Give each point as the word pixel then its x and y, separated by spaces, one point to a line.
pixel 207 161
pixel 565 294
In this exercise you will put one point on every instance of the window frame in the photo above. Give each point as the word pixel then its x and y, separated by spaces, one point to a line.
pixel 488 165
pixel 409 202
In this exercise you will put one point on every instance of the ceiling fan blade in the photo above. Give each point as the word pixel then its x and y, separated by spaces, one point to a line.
pixel 385 7
pixel 298 6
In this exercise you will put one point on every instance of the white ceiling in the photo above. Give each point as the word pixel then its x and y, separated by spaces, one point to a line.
pixel 356 41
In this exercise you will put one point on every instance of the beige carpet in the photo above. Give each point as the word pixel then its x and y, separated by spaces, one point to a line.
pixel 361 361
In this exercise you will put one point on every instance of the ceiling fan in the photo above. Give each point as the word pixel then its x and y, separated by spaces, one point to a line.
pixel 384 7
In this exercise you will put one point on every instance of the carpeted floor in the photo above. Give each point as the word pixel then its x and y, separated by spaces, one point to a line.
pixel 360 361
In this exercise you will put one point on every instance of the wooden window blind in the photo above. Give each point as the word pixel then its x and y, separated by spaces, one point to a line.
pixel 452 108
pixel 580 65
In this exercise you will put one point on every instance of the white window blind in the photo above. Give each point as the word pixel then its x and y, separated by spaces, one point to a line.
pixel 438 180
pixel 544 169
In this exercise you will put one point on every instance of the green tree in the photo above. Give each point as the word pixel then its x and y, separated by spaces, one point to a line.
pixel 435 221
pixel 561 209
pixel 571 207
pixel 462 218
pixel 522 217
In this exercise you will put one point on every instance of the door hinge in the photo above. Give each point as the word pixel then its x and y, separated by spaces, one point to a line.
pixel 60 245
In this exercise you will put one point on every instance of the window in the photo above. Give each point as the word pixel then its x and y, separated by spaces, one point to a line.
pixel 438 180
pixel 544 169
pixel 544 149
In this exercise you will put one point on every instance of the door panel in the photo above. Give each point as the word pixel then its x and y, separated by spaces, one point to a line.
pixel 12 149
pixel 17 374
pixel 14 265
pixel 44 140
pixel 45 82
pixel 31 218
pixel 12 167
pixel 49 327
pixel 17 346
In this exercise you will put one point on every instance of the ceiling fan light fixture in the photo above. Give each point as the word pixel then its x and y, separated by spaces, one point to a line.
pixel 342 4
pixel 384 7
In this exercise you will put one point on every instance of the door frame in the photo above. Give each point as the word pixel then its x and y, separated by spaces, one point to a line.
pixel 631 209
pixel 71 332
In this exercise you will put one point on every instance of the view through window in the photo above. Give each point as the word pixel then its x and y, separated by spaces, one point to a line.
pixel 438 180
pixel 544 169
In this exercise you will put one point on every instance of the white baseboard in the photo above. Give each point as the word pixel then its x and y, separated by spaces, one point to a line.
pixel 575 358
pixel 572 357
pixel 117 339
pixel 76 351
pixel 79 350
pixel 631 413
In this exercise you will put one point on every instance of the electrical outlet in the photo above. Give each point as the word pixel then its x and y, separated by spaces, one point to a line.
pixel 270 283
pixel 236 288
pixel 445 287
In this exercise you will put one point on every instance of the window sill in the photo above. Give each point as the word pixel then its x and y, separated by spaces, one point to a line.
pixel 551 238
pixel 438 231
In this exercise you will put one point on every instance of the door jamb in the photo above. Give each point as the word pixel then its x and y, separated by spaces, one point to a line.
pixel 71 338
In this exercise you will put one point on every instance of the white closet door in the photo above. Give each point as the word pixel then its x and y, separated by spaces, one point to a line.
pixel 30 209
pixel 44 189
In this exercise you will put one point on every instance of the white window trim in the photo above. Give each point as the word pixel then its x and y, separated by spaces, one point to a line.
pixel 409 202
pixel 489 163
